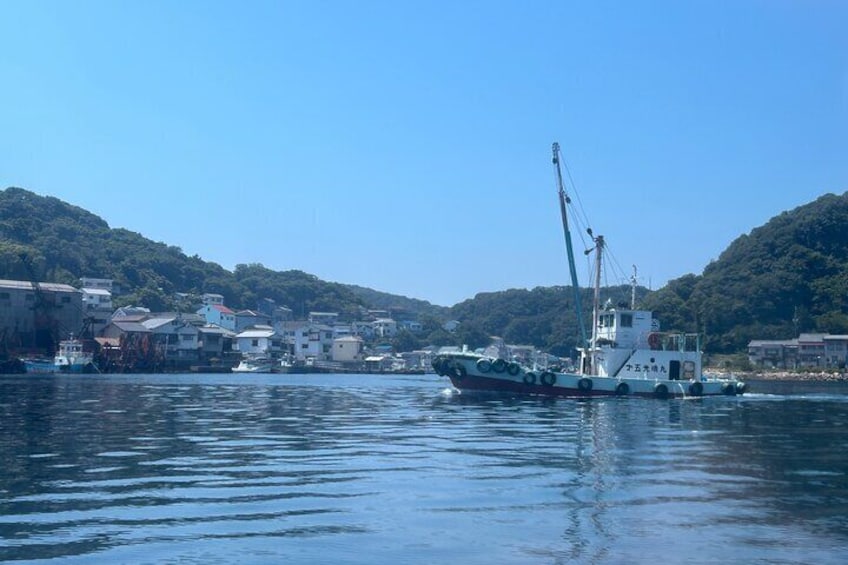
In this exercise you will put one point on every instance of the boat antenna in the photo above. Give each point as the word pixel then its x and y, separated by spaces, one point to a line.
pixel 633 281
pixel 563 200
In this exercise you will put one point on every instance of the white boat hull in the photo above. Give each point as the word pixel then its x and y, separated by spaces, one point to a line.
pixel 464 371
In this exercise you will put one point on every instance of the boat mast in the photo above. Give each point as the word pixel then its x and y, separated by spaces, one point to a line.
pixel 596 301
pixel 563 199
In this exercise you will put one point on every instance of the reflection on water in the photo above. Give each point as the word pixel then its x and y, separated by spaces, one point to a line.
pixel 369 469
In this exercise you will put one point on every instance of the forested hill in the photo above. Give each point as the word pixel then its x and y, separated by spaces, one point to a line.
pixel 785 277
pixel 65 242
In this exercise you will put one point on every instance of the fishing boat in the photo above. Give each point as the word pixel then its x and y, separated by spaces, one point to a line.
pixel 627 354
pixel 70 358
pixel 256 365
pixel 39 365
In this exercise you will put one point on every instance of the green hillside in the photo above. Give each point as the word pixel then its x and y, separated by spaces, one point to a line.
pixel 65 242
pixel 785 277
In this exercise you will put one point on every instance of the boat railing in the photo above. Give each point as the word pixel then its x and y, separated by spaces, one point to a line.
pixel 674 341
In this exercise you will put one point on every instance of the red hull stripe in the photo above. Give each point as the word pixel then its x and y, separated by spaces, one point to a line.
pixel 473 382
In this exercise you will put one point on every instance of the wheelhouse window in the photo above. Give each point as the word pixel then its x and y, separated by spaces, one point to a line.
pixel 627 320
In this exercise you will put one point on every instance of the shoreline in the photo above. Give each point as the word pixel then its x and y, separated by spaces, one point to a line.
pixel 810 376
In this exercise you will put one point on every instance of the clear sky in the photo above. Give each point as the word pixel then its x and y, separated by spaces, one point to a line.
pixel 405 146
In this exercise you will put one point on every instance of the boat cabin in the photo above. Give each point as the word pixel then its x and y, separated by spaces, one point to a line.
pixel 637 329
pixel 628 344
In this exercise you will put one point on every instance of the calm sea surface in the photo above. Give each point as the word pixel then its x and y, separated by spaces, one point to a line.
pixel 368 469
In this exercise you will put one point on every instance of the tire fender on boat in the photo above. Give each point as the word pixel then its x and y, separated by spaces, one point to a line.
pixel 741 388
pixel 513 369
pixel 459 371
pixel 661 390
pixel 499 365
pixel 548 378
pixel 696 388
pixel 728 389
pixel 585 384
pixel 484 365
pixel 438 364
pixel 622 389
pixel 530 378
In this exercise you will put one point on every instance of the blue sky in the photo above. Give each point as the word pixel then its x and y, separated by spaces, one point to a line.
pixel 405 146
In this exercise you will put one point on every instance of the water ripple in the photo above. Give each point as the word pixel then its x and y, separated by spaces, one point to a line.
pixel 379 469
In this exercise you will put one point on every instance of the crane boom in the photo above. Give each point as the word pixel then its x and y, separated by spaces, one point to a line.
pixel 563 199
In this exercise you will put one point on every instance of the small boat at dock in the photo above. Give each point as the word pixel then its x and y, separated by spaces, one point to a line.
pixel 71 358
pixel 257 365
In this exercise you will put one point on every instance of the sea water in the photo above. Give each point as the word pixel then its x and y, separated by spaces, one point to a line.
pixel 350 469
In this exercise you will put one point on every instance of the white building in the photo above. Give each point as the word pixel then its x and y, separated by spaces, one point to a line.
pixel 347 349
pixel 385 327
pixel 309 340
pixel 96 299
pixel 259 340
pixel 210 298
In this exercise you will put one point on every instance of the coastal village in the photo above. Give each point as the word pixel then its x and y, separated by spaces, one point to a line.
pixel 208 336
pixel 38 317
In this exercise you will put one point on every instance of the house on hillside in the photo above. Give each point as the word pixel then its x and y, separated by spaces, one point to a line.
pixel 309 341
pixel 260 341
pixel 175 337
pixel 413 326
pixel 362 329
pixel 97 303
pixel 385 327
pixel 130 311
pixel 347 349
pixel 103 284
pixel 212 299
pixel 122 328
pixel 324 318
pixel 96 299
pixel 219 315
pixel 248 318
pixel 214 342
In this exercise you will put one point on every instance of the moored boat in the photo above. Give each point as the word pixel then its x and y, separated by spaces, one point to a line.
pixel 39 365
pixel 70 358
pixel 256 365
pixel 627 353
